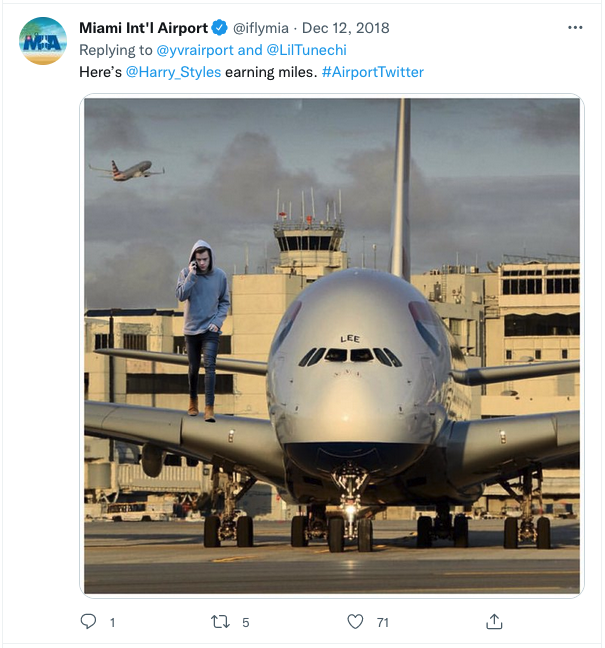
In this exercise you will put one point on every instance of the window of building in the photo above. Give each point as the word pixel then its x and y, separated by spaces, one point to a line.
pixel 563 285
pixel 224 344
pixel 179 344
pixel 538 354
pixel 509 354
pixel 522 287
pixel 101 341
pixel 135 341
pixel 138 383
pixel 456 326
pixel 522 273
pixel 564 354
pixel 535 325
pixel 563 272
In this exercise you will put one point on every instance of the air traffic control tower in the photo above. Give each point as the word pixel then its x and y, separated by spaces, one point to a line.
pixel 308 246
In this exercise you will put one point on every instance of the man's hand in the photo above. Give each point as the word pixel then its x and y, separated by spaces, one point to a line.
pixel 213 328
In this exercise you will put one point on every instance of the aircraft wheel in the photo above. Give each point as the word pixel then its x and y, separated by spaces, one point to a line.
pixel 461 531
pixel 336 534
pixel 365 535
pixel 211 527
pixel 244 531
pixel 298 534
pixel 511 536
pixel 424 528
pixel 543 530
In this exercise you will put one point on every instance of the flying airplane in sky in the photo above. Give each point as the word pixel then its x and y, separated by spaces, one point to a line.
pixel 140 170
pixel 368 405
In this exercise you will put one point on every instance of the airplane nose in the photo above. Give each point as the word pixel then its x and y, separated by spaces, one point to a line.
pixel 351 418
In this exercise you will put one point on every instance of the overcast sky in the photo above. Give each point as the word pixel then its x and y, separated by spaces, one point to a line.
pixel 489 177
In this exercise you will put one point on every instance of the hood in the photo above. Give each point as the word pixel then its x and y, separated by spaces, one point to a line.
pixel 199 244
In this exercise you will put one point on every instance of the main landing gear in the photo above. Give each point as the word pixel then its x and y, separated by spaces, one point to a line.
pixel 522 529
pixel 312 526
pixel 445 527
pixel 228 486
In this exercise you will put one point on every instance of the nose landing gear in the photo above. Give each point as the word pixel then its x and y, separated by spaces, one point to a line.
pixel 351 480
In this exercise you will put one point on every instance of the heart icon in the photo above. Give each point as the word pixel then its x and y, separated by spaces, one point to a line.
pixel 355 620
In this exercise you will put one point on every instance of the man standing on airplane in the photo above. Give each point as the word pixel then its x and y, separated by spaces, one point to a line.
pixel 203 287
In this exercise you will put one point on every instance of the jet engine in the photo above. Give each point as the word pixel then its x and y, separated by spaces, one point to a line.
pixel 152 460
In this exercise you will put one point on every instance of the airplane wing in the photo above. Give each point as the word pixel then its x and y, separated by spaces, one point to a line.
pixel 162 172
pixel 237 442
pixel 488 450
pixel 488 375
pixel 470 377
pixel 225 364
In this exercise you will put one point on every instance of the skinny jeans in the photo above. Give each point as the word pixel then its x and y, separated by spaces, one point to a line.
pixel 206 345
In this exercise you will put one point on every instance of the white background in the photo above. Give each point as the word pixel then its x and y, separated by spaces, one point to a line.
pixel 469 49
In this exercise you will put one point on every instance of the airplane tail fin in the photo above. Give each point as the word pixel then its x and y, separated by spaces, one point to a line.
pixel 114 169
pixel 400 220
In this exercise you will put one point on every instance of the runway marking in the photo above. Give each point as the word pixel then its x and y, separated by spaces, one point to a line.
pixel 517 573
pixel 231 559
pixel 451 590
pixel 324 551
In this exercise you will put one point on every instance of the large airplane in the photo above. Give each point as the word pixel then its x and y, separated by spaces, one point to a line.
pixel 140 170
pixel 368 407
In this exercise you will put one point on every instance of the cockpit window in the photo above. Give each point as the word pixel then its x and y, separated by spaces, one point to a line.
pixel 308 355
pixel 361 355
pixel 336 355
pixel 382 357
pixel 316 357
pixel 393 358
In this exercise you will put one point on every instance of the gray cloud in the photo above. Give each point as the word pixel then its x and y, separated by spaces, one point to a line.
pixel 224 190
pixel 544 121
pixel 142 276
pixel 112 127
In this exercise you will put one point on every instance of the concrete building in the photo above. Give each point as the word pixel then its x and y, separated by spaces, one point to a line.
pixel 532 312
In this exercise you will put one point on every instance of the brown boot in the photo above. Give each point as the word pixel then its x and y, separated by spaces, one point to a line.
pixel 209 414
pixel 194 409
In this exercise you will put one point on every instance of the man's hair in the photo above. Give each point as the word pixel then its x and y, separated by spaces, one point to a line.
pixel 201 250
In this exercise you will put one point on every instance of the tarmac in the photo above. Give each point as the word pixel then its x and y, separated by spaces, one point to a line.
pixel 169 558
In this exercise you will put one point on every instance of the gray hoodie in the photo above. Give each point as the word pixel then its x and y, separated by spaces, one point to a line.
pixel 206 296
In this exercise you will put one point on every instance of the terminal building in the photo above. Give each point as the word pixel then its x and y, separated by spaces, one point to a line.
pixel 522 310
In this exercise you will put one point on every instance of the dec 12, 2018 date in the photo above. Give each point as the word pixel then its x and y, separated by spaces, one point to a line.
pixel 343 28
